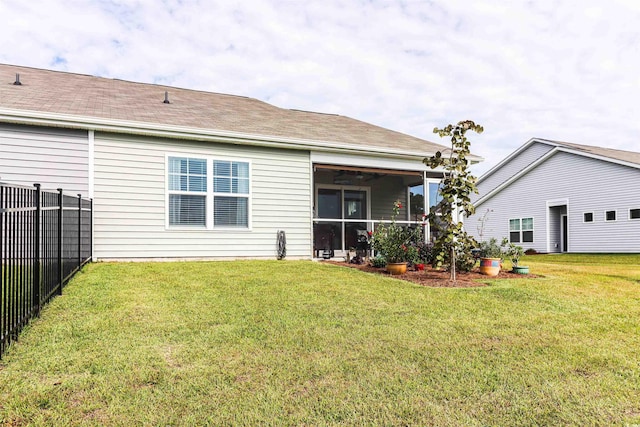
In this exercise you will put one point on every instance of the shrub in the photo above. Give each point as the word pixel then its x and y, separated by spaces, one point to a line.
pixel 514 252
pixel 491 249
pixel 394 242
pixel 378 262
pixel 425 252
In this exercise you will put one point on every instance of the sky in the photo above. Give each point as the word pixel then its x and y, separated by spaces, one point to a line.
pixel 567 70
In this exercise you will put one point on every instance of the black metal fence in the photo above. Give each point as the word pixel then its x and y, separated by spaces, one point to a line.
pixel 45 238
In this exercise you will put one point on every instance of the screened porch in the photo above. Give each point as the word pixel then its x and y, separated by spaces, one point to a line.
pixel 349 202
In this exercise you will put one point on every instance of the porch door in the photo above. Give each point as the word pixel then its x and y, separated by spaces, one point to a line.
pixel 339 209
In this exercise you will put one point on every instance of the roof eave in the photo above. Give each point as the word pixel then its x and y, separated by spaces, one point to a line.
pixel 39 118
pixel 558 148
pixel 508 158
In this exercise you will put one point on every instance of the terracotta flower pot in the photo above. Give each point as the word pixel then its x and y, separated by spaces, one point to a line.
pixel 396 268
pixel 490 266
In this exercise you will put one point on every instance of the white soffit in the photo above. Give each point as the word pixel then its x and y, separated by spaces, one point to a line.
pixel 362 161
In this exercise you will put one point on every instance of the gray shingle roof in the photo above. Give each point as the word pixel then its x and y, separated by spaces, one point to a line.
pixel 80 95
pixel 625 156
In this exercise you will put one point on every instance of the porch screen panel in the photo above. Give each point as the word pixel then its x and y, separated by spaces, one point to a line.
pixel 434 193
pixel 355 204
pixel 329 203
pixel 355 207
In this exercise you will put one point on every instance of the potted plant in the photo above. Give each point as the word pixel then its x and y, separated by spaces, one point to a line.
pixel 394 243
pixel 490 257
pixel 515 252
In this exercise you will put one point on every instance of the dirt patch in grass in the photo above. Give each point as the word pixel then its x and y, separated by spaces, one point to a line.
pixel 438 278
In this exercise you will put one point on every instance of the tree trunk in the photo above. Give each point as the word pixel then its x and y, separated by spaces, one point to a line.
pixel 452 268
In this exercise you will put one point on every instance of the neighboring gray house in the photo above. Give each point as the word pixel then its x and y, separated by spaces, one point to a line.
pixel 204 175
pixel 559 197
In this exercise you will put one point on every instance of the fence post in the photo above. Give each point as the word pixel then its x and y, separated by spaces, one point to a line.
pixel 91 229
pixel 79 230
pixel 60 238
pixel 36 252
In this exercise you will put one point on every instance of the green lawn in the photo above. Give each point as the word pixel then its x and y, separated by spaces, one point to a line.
pixel 300 343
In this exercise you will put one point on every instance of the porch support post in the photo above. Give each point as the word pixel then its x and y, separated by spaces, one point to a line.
pixel 425 207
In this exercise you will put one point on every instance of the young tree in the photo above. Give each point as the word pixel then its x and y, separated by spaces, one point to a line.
pixel 457 186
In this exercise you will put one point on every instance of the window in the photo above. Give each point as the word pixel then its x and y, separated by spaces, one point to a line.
pixel 634 213
pixel 187 192
pixel 207 193
pixel 231 194
pixel 610 215
pixel 521 230
pixel 514 230
pixel 588 217
pixel 527 230
pixel 434 193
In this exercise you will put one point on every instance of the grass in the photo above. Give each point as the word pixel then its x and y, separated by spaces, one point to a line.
pixel 299 343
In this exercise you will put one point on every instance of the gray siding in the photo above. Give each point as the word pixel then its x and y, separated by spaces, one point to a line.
pixel 130 202
pixel 589 185
pixel 53 157
pixel 515 165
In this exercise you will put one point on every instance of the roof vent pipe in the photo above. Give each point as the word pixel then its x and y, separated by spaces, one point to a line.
pixel 17 82
pixel 166 98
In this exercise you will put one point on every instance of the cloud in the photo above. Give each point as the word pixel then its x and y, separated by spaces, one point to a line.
pixel 553 69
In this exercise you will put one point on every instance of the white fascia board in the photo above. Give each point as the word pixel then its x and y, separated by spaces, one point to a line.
pixel 547 155
pixel 198 134
pixel 511 156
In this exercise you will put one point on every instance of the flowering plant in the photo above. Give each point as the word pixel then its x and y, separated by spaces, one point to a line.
pixel 394 242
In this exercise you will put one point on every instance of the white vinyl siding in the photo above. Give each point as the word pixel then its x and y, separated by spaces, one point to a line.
pixel 53 157
pixel 131 197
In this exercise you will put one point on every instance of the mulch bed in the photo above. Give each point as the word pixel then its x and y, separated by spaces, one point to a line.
pixel 438 278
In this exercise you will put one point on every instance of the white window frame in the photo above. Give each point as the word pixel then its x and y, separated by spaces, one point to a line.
pixel 209 194
pixel 615 212
pixel 521 230
pixel 633 219
pixel 593 217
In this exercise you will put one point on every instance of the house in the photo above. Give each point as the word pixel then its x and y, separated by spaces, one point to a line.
pixel 559 197
pixel 178 173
